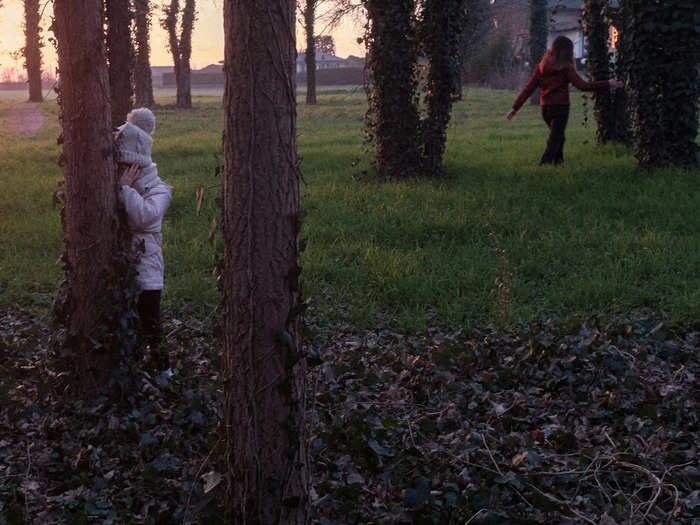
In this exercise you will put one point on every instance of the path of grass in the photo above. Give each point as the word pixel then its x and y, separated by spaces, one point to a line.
pixel 502 240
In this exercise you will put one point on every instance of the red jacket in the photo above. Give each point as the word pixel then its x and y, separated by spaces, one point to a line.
pixel 553 81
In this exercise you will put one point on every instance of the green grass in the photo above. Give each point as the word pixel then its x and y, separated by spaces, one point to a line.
pixel 500 241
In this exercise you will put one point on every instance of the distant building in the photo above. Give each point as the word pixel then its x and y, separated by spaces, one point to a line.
pixel 323 61
pixel 157 73
pixel 211 75
pixel 564 20
pixel 355 62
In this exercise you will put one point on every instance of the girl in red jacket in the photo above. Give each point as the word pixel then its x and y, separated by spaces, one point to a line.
pixel 553 76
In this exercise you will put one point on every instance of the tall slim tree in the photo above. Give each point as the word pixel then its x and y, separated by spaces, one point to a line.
pixel 477 25
pixel 180 46
pixel 143 81
pixel 32 49
pixel 596 28
pixel 90 218
pixel 119 57
pixel 264 366
pixel 538 37
pixel 441 27
pixel 392 119
pixel 308 11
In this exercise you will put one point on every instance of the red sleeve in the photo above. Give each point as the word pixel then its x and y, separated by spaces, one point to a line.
pixel 581 84
pixel 528 89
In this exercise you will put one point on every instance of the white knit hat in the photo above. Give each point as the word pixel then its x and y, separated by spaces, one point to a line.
pixel 134 145
pixel 143 118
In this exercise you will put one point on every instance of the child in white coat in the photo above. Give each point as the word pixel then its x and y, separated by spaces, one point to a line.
pixel 146 199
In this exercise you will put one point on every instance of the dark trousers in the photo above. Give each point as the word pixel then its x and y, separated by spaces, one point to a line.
pixel 556 118
pixel 148 307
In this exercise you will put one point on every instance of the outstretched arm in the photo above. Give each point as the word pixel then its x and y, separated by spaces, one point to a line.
pixel 525 93
pixel 581 84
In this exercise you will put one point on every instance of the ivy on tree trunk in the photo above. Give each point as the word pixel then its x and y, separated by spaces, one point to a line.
pixel 264 367
pixel 392 119
pixel 119 57
pixel 661 53
pixel 596 30
pixel 441 25
pixel 32 49
pixel 538 38
pixel 143 81
pixel 610 107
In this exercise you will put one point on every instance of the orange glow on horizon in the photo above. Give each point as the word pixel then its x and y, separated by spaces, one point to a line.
pixel 207 40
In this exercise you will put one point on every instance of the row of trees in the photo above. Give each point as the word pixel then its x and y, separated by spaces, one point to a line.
pixel 128 56
pixel 264 370
pixel 406 144
pixel 658 55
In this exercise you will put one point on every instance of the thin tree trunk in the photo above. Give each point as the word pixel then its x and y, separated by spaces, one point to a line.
pixel 441 27
pixel 538 38
pixel 119 55
pixel 310 58
pixel 184 89
pixel 169 23
pixel 90 215
pixel 143 80
pixel 264 366
pixel 596 30
pixel 32 49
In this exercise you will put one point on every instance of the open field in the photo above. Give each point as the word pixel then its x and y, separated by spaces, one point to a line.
pixel 500 241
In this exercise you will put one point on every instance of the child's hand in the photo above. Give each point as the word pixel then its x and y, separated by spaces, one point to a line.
pixel 132 174
pixel 615 84
pixel 510 114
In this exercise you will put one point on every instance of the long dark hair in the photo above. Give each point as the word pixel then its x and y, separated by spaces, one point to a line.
pixel 561 52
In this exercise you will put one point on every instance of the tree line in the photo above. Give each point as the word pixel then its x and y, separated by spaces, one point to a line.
pixel 657 56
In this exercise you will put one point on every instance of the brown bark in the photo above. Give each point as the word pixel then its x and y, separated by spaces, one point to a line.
pixel 143 81
pixel 180 47
pixel 32 49
pixel 90 215
pixel 309 18
pixel 264 367
pixel 119 55
pixel 169 23
pixel 184 90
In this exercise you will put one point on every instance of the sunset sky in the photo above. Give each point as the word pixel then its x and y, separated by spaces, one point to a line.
pixel 208 38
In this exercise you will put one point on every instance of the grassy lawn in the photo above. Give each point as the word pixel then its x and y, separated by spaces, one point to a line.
pixel 500 241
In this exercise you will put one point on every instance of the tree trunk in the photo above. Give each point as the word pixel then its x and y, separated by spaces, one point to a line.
pixel 538 38
pixel 441 27
pixel 32 49
pixel 90 217
pixel 392 121
pixel 184 89
pixel 660 62
pixel 309 19
pixel 119 55
pixel 264 366
pixel 142 64
pixel 169 23
pixel 596 30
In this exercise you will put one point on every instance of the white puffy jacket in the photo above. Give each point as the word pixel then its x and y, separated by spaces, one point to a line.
pixel 146 203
